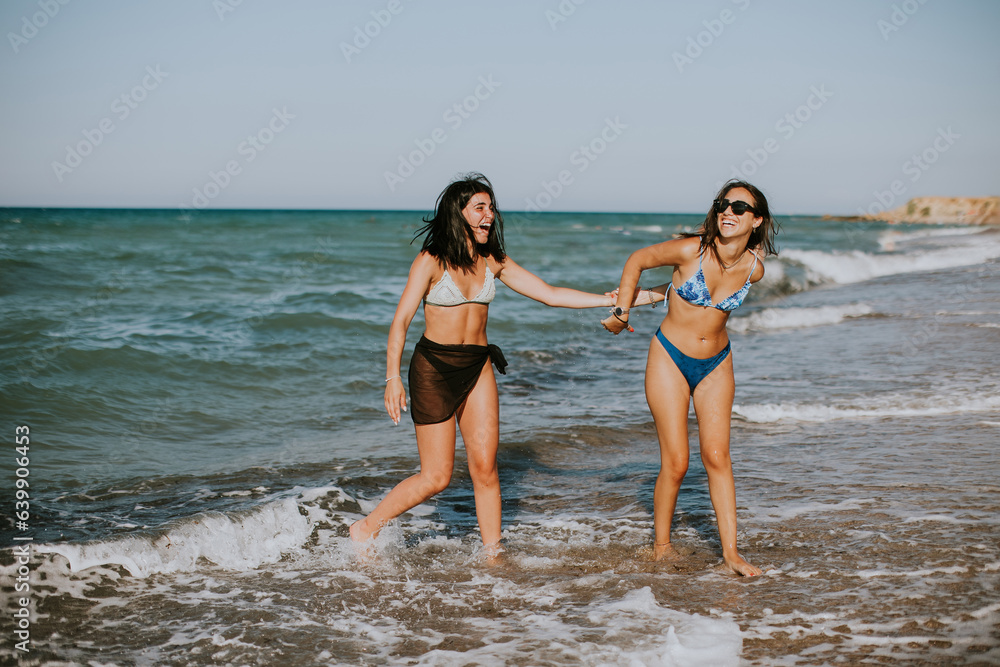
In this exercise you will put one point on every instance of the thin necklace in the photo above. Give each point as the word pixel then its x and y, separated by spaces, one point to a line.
pixel 738 260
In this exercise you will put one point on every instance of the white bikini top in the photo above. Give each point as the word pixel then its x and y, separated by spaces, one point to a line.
pixel 446 293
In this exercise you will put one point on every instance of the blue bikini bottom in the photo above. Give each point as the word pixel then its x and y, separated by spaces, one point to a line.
pixel 693 370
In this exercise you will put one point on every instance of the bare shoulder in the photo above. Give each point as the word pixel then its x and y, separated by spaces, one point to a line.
pixel 497 268
pixel 425 259
pixel 674 252
pixel 424 268
pixel 689 247
pixel 426 263
pixel 758 271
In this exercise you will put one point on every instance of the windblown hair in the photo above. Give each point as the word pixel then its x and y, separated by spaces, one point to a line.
pixel 762 237
pixel 447 232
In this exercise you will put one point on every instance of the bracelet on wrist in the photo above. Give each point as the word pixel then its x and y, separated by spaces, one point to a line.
pixel 392 378
pixel 652 301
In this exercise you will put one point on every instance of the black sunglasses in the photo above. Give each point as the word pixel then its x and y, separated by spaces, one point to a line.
pixel 739 207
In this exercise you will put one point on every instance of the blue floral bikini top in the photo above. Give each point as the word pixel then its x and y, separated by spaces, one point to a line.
pixel 695 290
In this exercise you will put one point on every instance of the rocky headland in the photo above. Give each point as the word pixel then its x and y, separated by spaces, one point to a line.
pixel 943 210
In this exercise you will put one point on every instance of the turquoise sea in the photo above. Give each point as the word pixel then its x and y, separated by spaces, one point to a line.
pixel 203 394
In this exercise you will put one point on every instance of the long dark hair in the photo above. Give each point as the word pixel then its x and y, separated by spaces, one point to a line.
pixel 448 233
pixel 761 237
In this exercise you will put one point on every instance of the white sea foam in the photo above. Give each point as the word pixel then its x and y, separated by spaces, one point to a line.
pixel 954 569
pixel 789 318
pixel 792 510
pixel 857 266
pixel 681 640
pixel 877 638
pixel 238 541
pixel 891 238
pixel 898 405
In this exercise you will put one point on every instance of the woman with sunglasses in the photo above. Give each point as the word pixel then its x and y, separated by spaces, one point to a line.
pixel 690 355
pixel 450 375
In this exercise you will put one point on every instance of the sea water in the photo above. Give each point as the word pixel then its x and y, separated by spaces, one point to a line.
pixel 203 393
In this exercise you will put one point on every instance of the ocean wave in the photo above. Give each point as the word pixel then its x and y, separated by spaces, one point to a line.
pixel 236 541
pixel 890 238
pixel 794 318
pixel 857 266
pixel 890 406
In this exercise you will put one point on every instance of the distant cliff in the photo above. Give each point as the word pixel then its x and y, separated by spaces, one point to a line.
pixel 962 210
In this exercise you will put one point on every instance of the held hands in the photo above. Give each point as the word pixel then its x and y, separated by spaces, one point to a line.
pixel 617 324
pixel 642 297
pixel 395 398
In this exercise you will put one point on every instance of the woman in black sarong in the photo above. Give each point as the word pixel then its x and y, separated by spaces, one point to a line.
pixel 451 372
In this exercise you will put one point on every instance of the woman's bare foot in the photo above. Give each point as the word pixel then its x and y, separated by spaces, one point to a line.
pixel 493 554
pixel 739 566
pixel 665 551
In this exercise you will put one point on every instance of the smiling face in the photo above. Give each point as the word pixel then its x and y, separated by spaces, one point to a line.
pixel 731 224
pixel 478 214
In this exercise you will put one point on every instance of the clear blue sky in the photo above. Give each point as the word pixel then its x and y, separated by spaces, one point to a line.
pixel 141 104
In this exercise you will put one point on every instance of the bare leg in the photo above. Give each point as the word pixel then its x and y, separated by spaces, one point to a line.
pixel 713 404
pixel 479 420
pixel 668 397
pixel 436 444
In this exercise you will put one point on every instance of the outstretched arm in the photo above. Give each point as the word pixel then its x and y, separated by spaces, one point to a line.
pixel 527 283
pixel 421 272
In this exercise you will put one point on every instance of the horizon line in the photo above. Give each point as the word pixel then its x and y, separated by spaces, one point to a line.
pixel 188 210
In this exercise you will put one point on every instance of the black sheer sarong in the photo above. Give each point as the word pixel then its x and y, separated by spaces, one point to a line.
pixel 442 376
